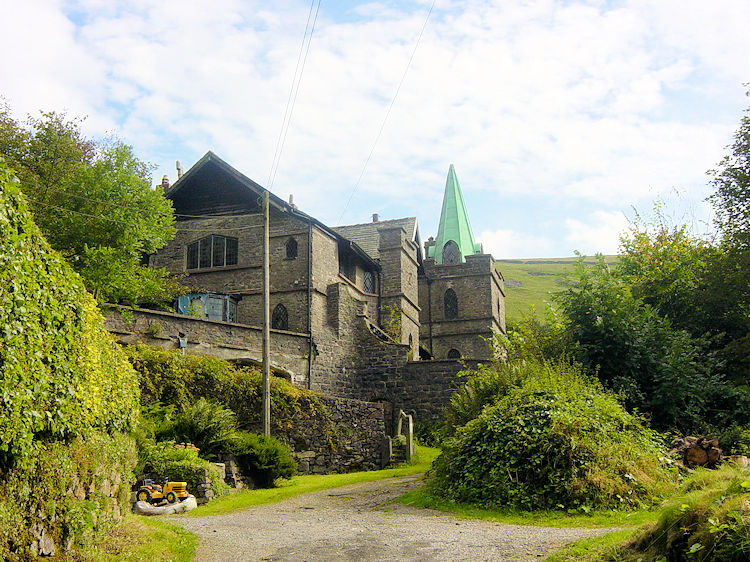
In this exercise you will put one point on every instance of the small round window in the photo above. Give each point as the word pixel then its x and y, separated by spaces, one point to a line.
pixel 454 354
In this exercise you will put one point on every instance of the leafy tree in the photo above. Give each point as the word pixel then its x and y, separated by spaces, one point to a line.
pixel 94 204
pixel 659 368
pixel 732 182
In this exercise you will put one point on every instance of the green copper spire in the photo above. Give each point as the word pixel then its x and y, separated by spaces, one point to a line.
pixel 454 226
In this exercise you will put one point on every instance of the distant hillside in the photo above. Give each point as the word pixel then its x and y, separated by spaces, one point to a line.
pixel 532 282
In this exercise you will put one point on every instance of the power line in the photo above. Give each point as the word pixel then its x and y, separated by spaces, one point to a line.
pixel 293 91
pixel 387 113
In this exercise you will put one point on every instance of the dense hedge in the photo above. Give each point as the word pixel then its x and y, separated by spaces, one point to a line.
pixel 171 378
pixel 550 439
pixel 62 373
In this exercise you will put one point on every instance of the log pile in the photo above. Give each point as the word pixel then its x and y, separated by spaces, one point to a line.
pixel 697 451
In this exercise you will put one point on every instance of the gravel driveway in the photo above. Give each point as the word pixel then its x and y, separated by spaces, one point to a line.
pixel 359 522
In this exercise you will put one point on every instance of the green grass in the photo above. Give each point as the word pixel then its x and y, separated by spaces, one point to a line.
pixel 594 519
pixel 138 537
pixel 311 483
pixel 593 549
pixel 539 279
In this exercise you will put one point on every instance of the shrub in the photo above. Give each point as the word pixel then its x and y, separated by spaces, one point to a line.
pixel 63 375
pixel 181 464
pixel 708 521
pixel 551 439
pixel 207 425
pixel 263 458
pixel 175 379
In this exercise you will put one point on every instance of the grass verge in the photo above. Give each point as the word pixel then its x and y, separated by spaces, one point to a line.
pixel 594 519
pixel 312 483
pixel 139 537
pixel 593 549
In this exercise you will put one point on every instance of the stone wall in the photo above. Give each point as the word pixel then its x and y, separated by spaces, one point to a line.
pixel 227 340
pixel 360 433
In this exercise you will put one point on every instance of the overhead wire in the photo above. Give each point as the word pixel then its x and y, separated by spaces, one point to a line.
pixel 388 112
pixel 293 91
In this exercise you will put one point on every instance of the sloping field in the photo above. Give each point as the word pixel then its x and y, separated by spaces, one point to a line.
pixel 532 282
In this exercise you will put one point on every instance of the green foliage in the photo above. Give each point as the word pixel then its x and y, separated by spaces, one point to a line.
pixel 206 424
pixel 531 338
pixel 172 378
pixel 708 520
pixel 62 489
pixel 94 203
pixel 660 370
pixel 732 182
pixel 551 438
pixel 264 459
pixel 181 464
pixel 62 373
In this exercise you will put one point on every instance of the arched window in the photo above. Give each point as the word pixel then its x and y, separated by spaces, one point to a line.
pixel 291 248
pixel 451 253
pixel 280 318
pixel 450 304
pixel 454 354
pixel 368 283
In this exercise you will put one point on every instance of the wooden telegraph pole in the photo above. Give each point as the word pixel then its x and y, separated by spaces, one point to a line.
pixel 266 322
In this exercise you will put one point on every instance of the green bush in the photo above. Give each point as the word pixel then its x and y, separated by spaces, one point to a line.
pixel 709 520
pixel 180 464
pixel 63 375
pixel 263 458
pixel 551 439
pixel 175 379
pixel 207 425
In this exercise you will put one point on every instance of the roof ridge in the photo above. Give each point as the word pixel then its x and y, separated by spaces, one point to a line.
pixel 373 222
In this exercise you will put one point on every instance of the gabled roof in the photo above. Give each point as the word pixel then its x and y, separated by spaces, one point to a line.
pixel 245 193
pixel 366 235
pixel 454 222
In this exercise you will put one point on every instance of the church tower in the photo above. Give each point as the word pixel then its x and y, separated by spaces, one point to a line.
pixel 461 293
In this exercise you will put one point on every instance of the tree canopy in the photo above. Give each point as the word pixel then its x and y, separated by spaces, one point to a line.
pixel 93 202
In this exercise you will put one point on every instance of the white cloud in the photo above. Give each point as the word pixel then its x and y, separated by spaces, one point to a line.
pixel 605 104
pixel 511 244
pixel 599 234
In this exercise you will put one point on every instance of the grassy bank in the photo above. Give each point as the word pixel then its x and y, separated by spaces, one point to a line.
pixel 594 519
pixel 532 282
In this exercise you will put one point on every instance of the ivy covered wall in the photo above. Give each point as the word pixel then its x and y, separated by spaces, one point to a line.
pixel 63 379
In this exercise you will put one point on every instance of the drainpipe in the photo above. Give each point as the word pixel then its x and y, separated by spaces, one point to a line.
pixel 309 306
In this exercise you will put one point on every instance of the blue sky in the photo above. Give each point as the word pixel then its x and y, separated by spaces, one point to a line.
pixel 561 118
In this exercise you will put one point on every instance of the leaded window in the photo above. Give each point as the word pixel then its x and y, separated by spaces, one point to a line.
pixel 451 252
pixel 212 251
pixel 368 283
pixel 450 304
pixel 454 354
pixel 280 318
pixel 291 248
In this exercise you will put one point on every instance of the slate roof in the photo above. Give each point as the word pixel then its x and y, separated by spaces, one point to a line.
pixel 454 222
pixel 366 235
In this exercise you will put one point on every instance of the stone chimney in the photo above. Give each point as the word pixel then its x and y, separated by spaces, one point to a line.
pixel 375 217
pixel 291 202
pixel 179 169
pixel 165 183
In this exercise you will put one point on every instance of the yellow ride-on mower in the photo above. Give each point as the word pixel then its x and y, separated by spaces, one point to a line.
pixel 155 493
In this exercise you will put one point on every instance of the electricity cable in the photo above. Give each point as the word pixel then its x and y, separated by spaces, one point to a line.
pixel 388 112
pixel 293 91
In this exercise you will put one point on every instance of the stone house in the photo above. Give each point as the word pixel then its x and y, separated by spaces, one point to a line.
pixel 360 305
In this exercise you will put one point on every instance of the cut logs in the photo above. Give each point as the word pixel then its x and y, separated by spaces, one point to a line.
pixel 697 451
